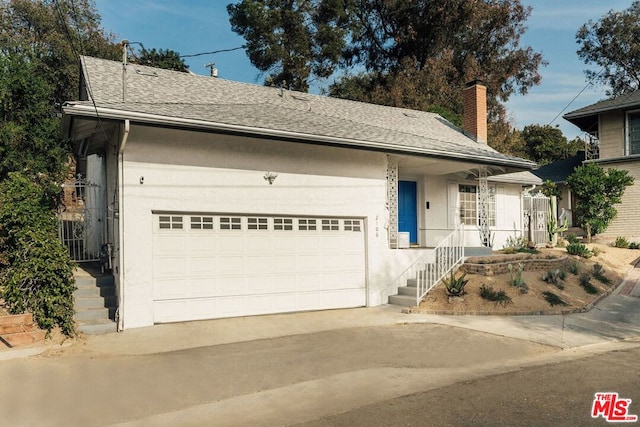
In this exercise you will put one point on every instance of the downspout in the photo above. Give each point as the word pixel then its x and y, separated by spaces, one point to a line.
pixel 123 145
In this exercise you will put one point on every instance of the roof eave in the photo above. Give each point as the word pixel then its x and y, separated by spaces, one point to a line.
pixel 74 109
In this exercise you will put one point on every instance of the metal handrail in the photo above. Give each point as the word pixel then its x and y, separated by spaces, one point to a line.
pixel 449 254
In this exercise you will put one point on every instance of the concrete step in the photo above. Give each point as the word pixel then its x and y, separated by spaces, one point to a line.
pixel 94 291
pixel 407 290
pixel 106 280
pixel 403 300
pixel 412 283
pixel 19 339
pixel 97 327
pixel 102 313
pixel 95 302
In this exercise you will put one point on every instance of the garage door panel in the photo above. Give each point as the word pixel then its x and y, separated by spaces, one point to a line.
pixel 170 266
pixel 230 265
pixel 211 272
pixel 169 289
pixel 228 285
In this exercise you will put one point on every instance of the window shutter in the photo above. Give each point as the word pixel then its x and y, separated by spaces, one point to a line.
pixel 454 208
pixel 501 201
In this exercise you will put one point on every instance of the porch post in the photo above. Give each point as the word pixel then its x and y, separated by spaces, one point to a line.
pixel 483 202
pixel 392 200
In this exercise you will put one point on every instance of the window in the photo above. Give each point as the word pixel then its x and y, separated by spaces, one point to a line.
pixel 330 225
pixel 283 224
pixel 257 224
pixel 307 224
pixel 202 223
pixel 470 204
pixel 352 225
pixel 170 222
pixel 230 223
pixel 633 120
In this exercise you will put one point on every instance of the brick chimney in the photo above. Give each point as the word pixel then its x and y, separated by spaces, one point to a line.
pixel 474 120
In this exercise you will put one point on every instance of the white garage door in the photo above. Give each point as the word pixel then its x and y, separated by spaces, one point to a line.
pixel 211 266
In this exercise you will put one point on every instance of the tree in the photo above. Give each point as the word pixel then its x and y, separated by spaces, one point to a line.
pixel 546 144
pixel 161 58
pixel 54 34
pixel 597 191
pixel 613 46
pixel 412 54
pixel 291 40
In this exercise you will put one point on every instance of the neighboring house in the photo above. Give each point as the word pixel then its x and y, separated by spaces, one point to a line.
pixel 228 199
pixel 558 172
pixel 613 127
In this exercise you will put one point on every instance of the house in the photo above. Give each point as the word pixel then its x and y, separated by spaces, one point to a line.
pixel 613 130
pixel 558 172
pixel 229 199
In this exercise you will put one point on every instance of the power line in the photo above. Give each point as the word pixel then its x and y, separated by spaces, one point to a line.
pixel 589 83
pixel 213 52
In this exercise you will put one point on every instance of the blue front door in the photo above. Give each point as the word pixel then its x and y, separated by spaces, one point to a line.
pixel 408 209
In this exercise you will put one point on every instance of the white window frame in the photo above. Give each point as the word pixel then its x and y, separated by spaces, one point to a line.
pixel 475 209
pixel 632 146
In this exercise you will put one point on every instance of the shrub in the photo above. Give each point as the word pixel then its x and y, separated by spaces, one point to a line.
pixel 553 277
pixel 553 299
pixel 574 267
pixel 516 280
pixel 598 273
pixel 634 245
pixel 499 297
pixel 579 249
pixel 572 238
pixel 585 282
pixel 38 276
pixel 596 251
pixel 621 242
pixel 455 286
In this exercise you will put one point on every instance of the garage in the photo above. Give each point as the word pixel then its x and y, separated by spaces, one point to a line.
pixel 209 266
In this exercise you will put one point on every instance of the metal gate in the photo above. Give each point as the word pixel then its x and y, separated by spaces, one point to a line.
pixel 536 213
pixel 81 227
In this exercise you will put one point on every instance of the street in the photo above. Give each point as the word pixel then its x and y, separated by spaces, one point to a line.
pixel 557 394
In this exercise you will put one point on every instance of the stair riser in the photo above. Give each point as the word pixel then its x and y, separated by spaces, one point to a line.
pixel 94 281
pixel 402 300
pixel 95 302
pixel 95 291
pixel 407 290
pixel 95 314
pixel 97 328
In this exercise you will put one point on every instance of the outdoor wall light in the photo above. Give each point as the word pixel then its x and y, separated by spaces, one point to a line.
pixel 142 180
pixel 270 176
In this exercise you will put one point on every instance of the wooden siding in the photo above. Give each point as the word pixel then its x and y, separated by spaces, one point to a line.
pixel 611 134
pixel 627 223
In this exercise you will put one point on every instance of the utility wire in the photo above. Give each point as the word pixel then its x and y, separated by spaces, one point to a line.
pixel 589 83
pixel 213 52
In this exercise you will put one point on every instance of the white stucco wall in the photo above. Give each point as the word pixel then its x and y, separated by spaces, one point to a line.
pixel 199 172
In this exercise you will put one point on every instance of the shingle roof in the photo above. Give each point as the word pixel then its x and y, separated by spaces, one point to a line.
pixel 559 171
pixel 586 118
pixel 189 98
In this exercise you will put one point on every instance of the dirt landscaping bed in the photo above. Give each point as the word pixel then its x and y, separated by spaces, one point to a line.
pixel 493 271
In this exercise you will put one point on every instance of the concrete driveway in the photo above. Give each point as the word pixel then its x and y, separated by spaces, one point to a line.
pixel 292 368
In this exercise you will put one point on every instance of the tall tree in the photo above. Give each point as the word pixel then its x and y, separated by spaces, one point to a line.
pixel 546 144
pixel 54 33
pixel 407 53
pixel 161 58
pixel 612 44
pixel 291 40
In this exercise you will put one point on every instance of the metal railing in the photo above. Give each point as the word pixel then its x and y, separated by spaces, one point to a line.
pixel 449 254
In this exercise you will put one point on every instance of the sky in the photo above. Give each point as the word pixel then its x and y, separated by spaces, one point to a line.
pixel 196 26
